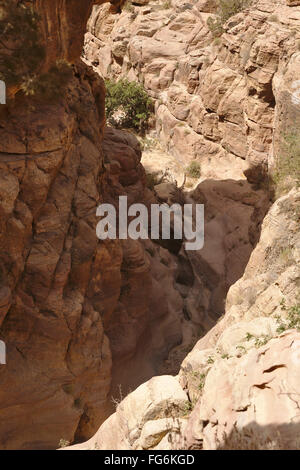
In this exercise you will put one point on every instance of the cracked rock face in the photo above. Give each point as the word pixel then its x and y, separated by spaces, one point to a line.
pixel 217 101
pixel 50 271
pixel 58 357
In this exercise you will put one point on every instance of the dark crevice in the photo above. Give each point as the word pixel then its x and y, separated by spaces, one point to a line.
pixel 271 369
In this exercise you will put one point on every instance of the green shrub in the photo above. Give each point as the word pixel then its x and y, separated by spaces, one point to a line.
pixel 215 26
pixel 287 172
pixel 187 408
pixel 194 169
pixel 226 9
pixel 21 52
pixel 127 104
pixel 202 380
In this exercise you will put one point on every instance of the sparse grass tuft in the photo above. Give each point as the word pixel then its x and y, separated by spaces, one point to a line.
pixel 292 318
pixel 63 443
pixel 194 169
pixel 148 143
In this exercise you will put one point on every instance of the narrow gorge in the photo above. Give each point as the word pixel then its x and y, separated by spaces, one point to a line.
pixel 140 344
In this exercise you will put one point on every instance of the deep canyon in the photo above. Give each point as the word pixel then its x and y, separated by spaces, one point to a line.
pixel 135 344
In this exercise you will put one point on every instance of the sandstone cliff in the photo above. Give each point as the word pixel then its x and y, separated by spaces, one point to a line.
pixel 222 101
pixel 85 320
pixel 225 102
pixel 70 306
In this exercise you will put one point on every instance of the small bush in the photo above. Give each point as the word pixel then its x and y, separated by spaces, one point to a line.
pixel 215 26
pixel 21 52
pixel 128 6
pixel 292 318
pixel 193 170
pixel 187 408
pixel 127 104
pixel 226 9
pixel 217 41
pixel 202 379
pixel 229 8
pixel 167 4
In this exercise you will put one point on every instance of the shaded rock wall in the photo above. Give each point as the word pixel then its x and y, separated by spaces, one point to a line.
pixel 58 358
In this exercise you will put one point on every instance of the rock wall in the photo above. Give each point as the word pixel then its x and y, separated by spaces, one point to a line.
pixel 225 102
pixel 60 19
pixel 222 101
pixel 71 306
pixel 80 317
pixel 58 358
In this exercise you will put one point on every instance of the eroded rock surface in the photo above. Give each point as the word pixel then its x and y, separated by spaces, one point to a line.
pixel 224 101
pixel 82 317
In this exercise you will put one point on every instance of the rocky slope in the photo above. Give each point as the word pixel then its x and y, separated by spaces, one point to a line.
pixel 73 310
pixel 239 387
